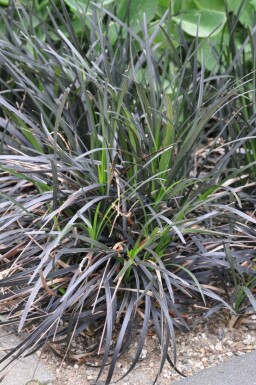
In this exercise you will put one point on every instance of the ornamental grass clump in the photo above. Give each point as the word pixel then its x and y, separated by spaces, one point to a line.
pixel 111 225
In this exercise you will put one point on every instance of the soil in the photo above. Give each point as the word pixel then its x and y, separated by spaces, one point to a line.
pixel 207 344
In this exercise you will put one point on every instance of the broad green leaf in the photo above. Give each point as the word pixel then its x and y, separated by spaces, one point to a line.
pixel 114 30
pixel 216 5
pixel 211 49
pixel 77 6
pixel 79 25
pixel 182 5
pixel 81 6
pixel 246 13
pixel 134 11
pixel 161 37
pixel 208 21
pixel 164 3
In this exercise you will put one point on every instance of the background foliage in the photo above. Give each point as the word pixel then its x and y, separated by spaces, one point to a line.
pixel 211 23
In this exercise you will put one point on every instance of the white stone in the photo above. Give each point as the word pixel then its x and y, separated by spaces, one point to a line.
pixel 144 353
pixel 218 346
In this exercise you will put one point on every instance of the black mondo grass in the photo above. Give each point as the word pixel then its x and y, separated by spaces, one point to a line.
pixel 109 227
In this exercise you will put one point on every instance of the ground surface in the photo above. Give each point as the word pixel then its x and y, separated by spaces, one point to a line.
pixel 237 371
pixel 27 368
pixel 209 344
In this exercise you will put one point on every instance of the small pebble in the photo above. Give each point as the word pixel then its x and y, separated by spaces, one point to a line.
pixel 218 346
pixel 144 353
pixel 89 372
pixel 239 346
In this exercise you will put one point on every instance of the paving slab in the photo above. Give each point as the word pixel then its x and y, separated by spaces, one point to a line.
pixel 240 370
pixel 29 370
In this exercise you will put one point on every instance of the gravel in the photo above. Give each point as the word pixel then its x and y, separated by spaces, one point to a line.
pixel 208 344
